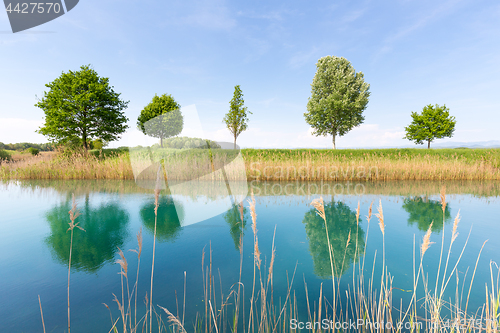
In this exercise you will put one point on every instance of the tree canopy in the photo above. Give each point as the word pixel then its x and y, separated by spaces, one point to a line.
pixel 236 119
pixel 433 123
pixel 82 106
pixel 339 96
pixel 161 118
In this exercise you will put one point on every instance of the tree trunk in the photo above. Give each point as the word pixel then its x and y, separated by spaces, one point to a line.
pixel 161 142
pixel 334 142
pixel 428 144
pixel 235 142
pixel 84 138
pixel 84 133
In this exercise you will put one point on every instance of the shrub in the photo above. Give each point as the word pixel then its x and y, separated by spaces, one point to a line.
pixel 185 142
pixel 4 156
pixel 33 151
pixel 96 144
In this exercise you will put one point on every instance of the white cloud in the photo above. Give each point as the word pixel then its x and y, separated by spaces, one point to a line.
pixel 367 135
pixel 14 130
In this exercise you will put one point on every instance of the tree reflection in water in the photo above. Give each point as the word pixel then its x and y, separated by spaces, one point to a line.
pixel 341 221
pixel 168 225
pixel 236 225
pixel 105 230
pixel 423 212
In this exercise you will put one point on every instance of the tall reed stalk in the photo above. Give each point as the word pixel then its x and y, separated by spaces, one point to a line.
pixel 73 214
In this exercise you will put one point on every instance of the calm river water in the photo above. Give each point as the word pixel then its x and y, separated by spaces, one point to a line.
pixel 34 243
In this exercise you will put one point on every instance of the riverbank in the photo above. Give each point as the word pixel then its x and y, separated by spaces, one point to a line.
pixel 287 165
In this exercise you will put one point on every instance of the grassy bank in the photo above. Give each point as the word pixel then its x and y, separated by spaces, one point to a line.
pixel 372 164
pixel 283 165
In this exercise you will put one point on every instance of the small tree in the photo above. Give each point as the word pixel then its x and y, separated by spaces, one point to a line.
pixel 434 122
pixel 81 106
pixel 236 119
pixel 33 151
pixel 161 118
pixel 339 96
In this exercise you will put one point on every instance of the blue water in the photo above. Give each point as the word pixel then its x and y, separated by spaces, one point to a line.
pixel 34 247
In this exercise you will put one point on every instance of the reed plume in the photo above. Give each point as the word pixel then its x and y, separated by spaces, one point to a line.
pixel 380 216
pixel 426 242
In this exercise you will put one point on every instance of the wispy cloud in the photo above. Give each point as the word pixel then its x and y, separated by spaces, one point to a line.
pixel 442 10
pixel 303 58
pixel 213 15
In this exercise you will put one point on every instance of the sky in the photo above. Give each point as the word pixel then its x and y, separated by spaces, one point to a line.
pixel 412 53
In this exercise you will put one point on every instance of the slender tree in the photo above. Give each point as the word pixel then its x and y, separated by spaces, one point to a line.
pixel 161 118
pixel 236 119
pixel 433 123
pixel 81 106
pixel 339 96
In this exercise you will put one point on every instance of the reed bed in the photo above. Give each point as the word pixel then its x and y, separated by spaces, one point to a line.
pixel 75 166
pixel 367 301
pixel 268 164
pixel 372 165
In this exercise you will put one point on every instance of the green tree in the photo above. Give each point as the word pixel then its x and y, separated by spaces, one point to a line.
pixel 434 122
pixel 105 230
pixel 82 106
pixel 423 212
pixel 4 156
pixel 236 119
pixel 161 118
pixel 33 151
pixel 170 216
pixel 339 96
pixel 343 230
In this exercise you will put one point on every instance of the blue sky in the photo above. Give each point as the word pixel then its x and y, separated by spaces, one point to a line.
pixel 412 53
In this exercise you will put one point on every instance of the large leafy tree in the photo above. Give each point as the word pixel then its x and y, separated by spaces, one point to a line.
pixel 161 118
pixel 339 96
pixel 236 119
pixel 433 123
pixel 81 106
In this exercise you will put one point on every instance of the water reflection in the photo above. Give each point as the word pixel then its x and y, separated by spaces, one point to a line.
pixel 170 216
pixel 236 218
pixel 423 212
pixel 105 230
pixel 341 222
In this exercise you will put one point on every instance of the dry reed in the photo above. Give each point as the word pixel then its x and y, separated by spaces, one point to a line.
pixel 363 165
